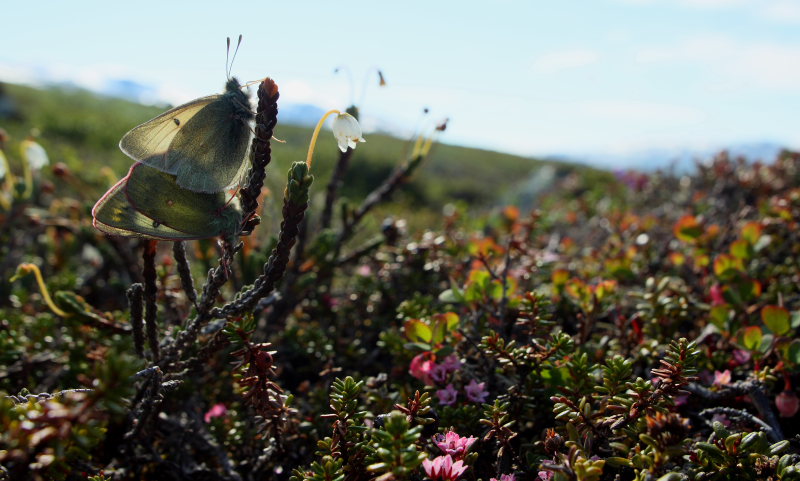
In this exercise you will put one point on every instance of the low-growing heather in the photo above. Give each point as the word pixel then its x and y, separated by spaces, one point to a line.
pixel 637 330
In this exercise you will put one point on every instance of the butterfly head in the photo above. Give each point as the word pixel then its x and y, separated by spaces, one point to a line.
pixel 240 99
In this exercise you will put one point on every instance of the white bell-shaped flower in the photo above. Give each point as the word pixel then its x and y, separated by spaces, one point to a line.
pixel 35 154
pixel 347 131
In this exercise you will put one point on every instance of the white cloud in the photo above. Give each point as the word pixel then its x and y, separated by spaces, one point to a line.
pixel 734 63
pixel 779 11
pixel 555 62
pixel 784 11
pixel 653 113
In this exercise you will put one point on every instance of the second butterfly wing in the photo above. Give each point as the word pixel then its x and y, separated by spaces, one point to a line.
pixel 148 203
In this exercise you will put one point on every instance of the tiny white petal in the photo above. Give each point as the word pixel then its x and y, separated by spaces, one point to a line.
pixel 347 131
pixel 35 154
pixel 2 165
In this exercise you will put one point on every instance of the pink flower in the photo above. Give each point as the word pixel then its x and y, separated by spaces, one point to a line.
pixel 507 477
pixel 476 392
pixel 217 410
pixel 716 295
pixel 451 363
pixel 722 378
pixel 447 396
pixel 787 403
pixel 439 373
pixel 741 356
pixel 721 418
pixel 421 367
pixel 453 444
pixel 545 475
pixel 444 468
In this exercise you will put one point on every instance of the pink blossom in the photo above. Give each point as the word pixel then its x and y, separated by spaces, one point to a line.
pixel 421 367
pixel 451 363
pixel 217 410
pixel 507 477
pixel 716 295
pixel 447 396
pixel 444 468
pixel 721 418
pixel 439 373
pixel 722 378
pixel 545 475
pixel 364 270
pixel 453 444
pixel 787 403
pixel 476 392
pixel 742 356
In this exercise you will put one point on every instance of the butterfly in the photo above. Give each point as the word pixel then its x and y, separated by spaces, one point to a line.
pixel 203 143
pixel 148 203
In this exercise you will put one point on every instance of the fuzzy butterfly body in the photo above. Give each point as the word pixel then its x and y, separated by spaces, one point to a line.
pixel 203 143
pixel 148 203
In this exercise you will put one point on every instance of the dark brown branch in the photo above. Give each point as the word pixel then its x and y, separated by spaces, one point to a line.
pixel 150 291
pixel 184 271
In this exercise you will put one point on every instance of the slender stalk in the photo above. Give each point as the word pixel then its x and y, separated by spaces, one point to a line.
pixel 150 291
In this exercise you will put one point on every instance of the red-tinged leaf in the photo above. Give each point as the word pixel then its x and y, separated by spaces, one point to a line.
pixel 688 229
pixel 751 232
pixel 417 331
pixel 776 318
pixel 751 337
pixel 727 267
pixel 677 258
pixel 560 277
pixel 741 249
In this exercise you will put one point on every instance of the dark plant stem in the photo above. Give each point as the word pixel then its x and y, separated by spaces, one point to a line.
pixel 295 203
pixel 150 291
pixel 381 194
pixel 184 271
pixel 260 156
pixel 260 152
pixel 333 187
pixel 135 293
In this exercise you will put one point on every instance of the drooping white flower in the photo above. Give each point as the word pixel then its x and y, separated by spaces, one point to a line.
pixel 3 163
pixel 35 154
pixel 347 131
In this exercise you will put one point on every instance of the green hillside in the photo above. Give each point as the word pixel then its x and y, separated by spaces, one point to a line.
pixel 82 130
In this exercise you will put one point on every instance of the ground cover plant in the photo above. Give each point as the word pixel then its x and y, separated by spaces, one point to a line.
pixel 636 328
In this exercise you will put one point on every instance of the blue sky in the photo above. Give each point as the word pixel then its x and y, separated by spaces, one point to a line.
pixel 530 77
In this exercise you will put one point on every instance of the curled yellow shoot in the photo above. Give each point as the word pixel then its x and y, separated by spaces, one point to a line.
pixel 313 144
pixel 422 146
pixel 27 268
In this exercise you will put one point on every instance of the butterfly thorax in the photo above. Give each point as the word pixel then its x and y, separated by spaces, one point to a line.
pixel 240 100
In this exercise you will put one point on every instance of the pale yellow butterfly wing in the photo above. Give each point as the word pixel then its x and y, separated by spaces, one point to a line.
pixel 149 142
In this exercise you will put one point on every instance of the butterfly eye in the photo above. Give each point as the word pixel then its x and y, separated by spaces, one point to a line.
pixel 177 121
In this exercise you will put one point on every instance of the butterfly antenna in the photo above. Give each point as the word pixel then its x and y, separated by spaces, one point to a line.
pixel 230 67
pixel 227 57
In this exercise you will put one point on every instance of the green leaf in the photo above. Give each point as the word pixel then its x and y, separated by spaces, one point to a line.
pixel 720 316
pixel 416 330
pixel 741 249
pixel 727 267
pixel 776 318
pixel 751 338
pixel 417 346
pixel 792 352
